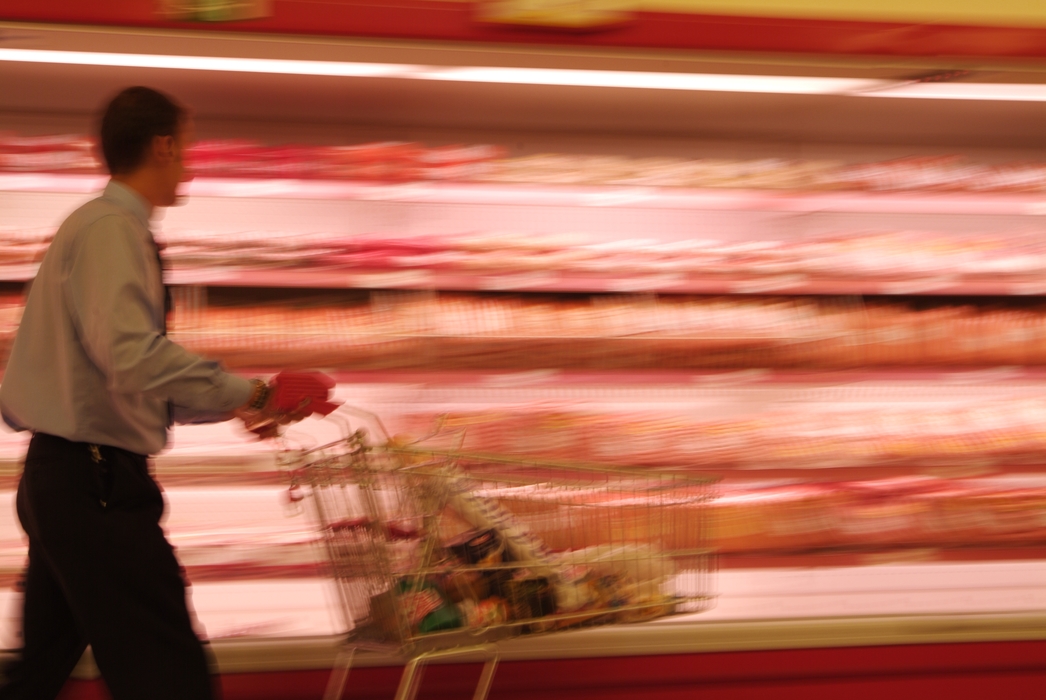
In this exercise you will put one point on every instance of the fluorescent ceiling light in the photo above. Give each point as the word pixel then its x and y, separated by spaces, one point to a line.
pixel 211 63
pixel 779 84
pixel 516 76
pixel 658 81
pixel 1013 92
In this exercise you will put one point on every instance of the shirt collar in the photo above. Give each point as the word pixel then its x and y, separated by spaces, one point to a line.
pixel 127 197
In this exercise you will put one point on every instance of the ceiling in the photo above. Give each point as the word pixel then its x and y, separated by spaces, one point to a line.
pixel 39 94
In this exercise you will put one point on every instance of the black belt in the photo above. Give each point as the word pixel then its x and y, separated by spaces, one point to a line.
pixel 96 451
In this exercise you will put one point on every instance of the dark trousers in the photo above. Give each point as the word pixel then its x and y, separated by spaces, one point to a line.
pixel 102 573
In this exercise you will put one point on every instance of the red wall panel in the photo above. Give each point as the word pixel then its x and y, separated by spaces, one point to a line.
pixel 454 21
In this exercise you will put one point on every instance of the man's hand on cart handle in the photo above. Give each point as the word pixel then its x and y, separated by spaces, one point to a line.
pixel 288 398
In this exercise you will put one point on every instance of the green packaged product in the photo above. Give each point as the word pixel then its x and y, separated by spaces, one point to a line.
pixel 427 608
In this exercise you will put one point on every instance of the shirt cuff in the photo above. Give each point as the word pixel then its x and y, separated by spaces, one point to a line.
pixel 236 392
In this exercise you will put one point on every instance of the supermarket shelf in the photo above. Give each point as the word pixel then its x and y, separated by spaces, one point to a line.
pixel 64 183
pixel 275 571
pixel 655 382
pixel 220 573
pixel 881 557
pixel 910 379
pixel 246 474
pixel 553 281
pixel 900 602
pixel 570 195
pixel 965 667
pixel 247 655
pixel 17 273
pixel 256 668
pixel 890 604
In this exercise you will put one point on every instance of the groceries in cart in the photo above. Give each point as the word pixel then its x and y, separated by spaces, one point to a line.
pixel 442 552
pixel 457 590
pixel 423 542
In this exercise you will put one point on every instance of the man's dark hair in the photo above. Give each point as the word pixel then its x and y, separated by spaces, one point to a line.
pixel 131 121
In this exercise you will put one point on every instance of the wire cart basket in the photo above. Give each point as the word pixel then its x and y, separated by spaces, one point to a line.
pixel 439 552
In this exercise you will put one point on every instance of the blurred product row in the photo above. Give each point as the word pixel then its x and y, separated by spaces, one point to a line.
pixel 866 255
pixel 404 161
pixel 771 518
pixel 791 435
pixel 521 332
pixel 255 539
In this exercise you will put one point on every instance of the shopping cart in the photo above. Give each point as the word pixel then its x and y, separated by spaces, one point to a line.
pixel 437 552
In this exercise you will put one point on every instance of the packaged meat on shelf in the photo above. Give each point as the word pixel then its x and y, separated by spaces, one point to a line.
pixel 795 435
pixel 855 263
pixel 395 161
pixel 448 332
pixel 66 153
pixel 856 515
pixel 11 305
pixel 426 331
pixel 248 531
pixel 229 510
pixel 388 161
pixel 875 255
pixel 862 262
pixel 405 161
pixel 22 247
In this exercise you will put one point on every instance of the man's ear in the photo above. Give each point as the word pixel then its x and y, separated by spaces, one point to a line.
pixel 163 149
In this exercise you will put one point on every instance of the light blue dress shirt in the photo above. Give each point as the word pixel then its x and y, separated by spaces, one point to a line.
pixel 90 362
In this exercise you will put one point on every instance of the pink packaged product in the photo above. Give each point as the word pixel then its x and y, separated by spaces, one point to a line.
pixel 381 252
pixel 220 158
pixel 389 161
pixel 937 173
pixel 249 159
pixel 1011 177
pixel 914 511
pixel 396 161
pixel 297 162
pixel 458 162
pixel 62 153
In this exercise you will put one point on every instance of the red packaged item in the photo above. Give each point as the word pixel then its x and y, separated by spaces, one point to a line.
pixel 389 161
pixel 458 162
pixel 285 162
pixel 60 153
pixel 222 158
pixel 303 393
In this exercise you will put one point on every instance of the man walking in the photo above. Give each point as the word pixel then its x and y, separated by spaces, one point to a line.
pixel 93 376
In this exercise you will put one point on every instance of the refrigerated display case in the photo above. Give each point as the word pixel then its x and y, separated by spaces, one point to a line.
pixel 751 286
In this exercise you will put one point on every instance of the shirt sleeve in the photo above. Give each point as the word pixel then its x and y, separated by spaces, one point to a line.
pixel 108 290
pixel 188 416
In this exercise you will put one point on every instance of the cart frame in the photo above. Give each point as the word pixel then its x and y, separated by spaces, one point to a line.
pixel 379 566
